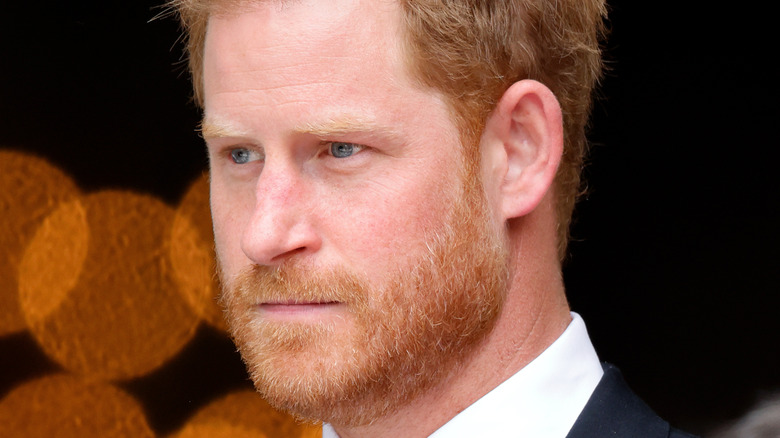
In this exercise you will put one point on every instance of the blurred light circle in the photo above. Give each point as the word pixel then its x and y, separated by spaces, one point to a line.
pixel 30 189
pixel 219 429
pixel 97 289
pixel 244 414
pixel 192 253
pixel 47 282
pixel 66 406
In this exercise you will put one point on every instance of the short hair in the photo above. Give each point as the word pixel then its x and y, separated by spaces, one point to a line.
pixel 472 51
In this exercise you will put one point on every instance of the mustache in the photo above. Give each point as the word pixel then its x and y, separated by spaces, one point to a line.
pixel 294 283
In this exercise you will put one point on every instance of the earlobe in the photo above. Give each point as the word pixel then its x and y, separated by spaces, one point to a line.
pixel 523 144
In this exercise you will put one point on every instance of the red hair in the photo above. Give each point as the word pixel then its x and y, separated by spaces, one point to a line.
pixel 472 51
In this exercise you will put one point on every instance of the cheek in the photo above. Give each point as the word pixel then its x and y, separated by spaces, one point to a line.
pixel 385 231
pixel 228 219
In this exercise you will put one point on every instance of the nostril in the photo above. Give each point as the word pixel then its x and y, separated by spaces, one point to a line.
pixel 282 257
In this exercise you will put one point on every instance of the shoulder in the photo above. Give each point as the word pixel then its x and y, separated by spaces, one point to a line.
pixel 614 410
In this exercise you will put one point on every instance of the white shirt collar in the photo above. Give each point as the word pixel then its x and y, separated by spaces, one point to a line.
pixel 542 400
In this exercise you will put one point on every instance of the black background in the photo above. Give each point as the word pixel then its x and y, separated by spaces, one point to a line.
pixel 675 260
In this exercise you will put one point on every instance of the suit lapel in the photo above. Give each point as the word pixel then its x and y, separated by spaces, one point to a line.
pixel 615 411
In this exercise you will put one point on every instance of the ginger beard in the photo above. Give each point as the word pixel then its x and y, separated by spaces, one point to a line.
pixel 397 339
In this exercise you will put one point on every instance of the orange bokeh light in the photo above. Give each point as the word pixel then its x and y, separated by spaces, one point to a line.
pixel 31 189
pixel 97 289
pixel 67 406
pixel 244 414
pixel 192 253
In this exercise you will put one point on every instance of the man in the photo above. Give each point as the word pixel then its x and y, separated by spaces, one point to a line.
pixel 391 185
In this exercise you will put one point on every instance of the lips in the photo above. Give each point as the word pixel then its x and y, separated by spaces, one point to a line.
pixel 294 308
pixel 297 303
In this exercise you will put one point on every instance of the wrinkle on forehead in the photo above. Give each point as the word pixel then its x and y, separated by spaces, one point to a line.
pixel 338 66
pixel 333 25
pixel 340 34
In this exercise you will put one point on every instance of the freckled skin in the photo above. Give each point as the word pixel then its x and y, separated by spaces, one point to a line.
pixel 365 210
pixel 271 70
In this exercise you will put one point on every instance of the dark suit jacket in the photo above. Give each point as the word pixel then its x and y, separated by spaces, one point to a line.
pixel 615 411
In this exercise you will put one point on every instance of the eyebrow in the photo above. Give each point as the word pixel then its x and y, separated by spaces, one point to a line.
pixel 344 124
pixel 340 125
pixel 217 128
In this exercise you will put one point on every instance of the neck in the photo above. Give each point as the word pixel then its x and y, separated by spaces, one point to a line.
pixel 534 315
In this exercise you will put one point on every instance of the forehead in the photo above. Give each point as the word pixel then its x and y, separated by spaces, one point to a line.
pixel 326 40
pixel 276 66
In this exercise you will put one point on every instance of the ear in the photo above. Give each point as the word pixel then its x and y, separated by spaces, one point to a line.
pixel 521 147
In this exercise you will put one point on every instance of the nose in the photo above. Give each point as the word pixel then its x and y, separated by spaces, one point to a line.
pixel 280 226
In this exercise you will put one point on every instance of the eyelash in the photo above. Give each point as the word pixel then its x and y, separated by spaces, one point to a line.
pixel 355 148
pixel 248 152
pixel 244 155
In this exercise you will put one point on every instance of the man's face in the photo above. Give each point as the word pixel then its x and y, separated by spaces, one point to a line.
pixel 358 254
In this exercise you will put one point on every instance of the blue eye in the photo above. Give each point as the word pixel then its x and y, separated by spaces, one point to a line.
pixel 243 156
pixel 341 149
